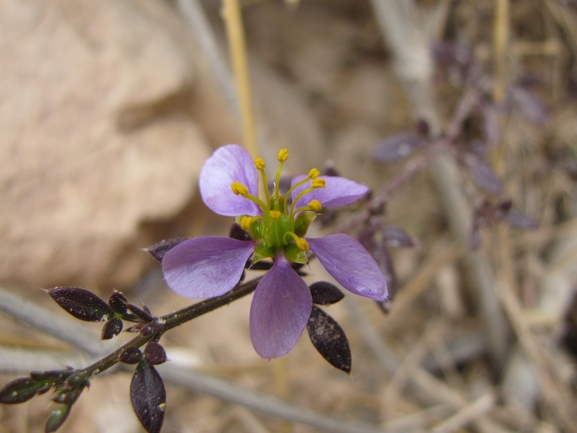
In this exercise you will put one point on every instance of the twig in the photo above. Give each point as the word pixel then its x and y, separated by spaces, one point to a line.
pixel 198 382
pixel 198 23
pixel 23 361
pixel 237 47
pixel 469 413
pixel 414 67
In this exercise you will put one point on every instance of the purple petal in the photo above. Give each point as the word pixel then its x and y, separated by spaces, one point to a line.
pixel 351 265
pixel 338 191
pixel 280 310
pixel 205 267
pixel 228 164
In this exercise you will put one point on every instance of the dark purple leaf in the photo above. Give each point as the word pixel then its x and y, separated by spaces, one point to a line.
pixel 148 397
pixel 81 303
pixel 131 355
pixel 117 302
pixel 111 328
pixel 397 147
pixel 261 266
pixel 144 315
pixel 483 175
pixel 378 250
pixel 422 128
pixel 57 418
pixel 160 249
pixel 530 105
pixel 479 147
pixel 325 293
pixel 330 170
pixel 236 232
pixel 52 376
pixel 19 390
pixel 455 57
pixel 398 238
pixel 521 220
pixel 154 354
pixel 329 339
pixel 381 255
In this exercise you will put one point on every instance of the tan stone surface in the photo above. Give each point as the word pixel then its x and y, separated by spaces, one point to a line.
pixel 74 187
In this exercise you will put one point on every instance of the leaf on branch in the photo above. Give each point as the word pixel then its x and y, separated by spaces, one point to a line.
pixel 111 328
pixel 148 397
pixel 530 105
pixel 397 147
pixel 236 232
pixel 19 390
pixel 160 249
pixel 329 339
pixel 484 176
pixel 325 293
pixel 81 303
pixel 131 355
pixel 521 220
pixel 57 418
pixel 117 302
pixel 154 354
pixel 398 238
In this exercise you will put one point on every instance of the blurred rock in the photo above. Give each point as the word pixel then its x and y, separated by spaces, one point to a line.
pixel 91 147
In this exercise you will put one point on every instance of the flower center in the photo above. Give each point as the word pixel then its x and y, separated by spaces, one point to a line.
pixel 282 226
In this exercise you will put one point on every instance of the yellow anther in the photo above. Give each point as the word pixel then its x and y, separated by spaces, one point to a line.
pixel 318 183
pixel 238 188
pixel 275 214
pixel 302 244
pixel 259 162
pixel 245 222
pixel 283 155
pixel 314 173
pixel 315 205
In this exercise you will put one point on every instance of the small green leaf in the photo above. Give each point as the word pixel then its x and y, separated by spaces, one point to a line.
pixel 19 390
pixel 57 418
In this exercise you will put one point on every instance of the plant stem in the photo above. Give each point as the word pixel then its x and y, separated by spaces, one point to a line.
pixel 171 321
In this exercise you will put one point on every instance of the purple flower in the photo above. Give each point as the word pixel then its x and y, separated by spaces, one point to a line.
pixel 210 266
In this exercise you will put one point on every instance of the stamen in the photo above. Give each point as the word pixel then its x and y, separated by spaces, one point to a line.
pixel 245 222
pixel 314 173
pixel 292 188
pixel 302 244
pixel 318 183
pixel 283 155
pixel 274 214
pixel 239 189
pixel 315 205
pixel 259 163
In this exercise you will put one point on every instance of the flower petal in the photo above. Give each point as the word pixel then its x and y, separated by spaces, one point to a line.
pixel 205 267
pixel 228 164
pixel 280 310
pixel 351 265
pixel 338 191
